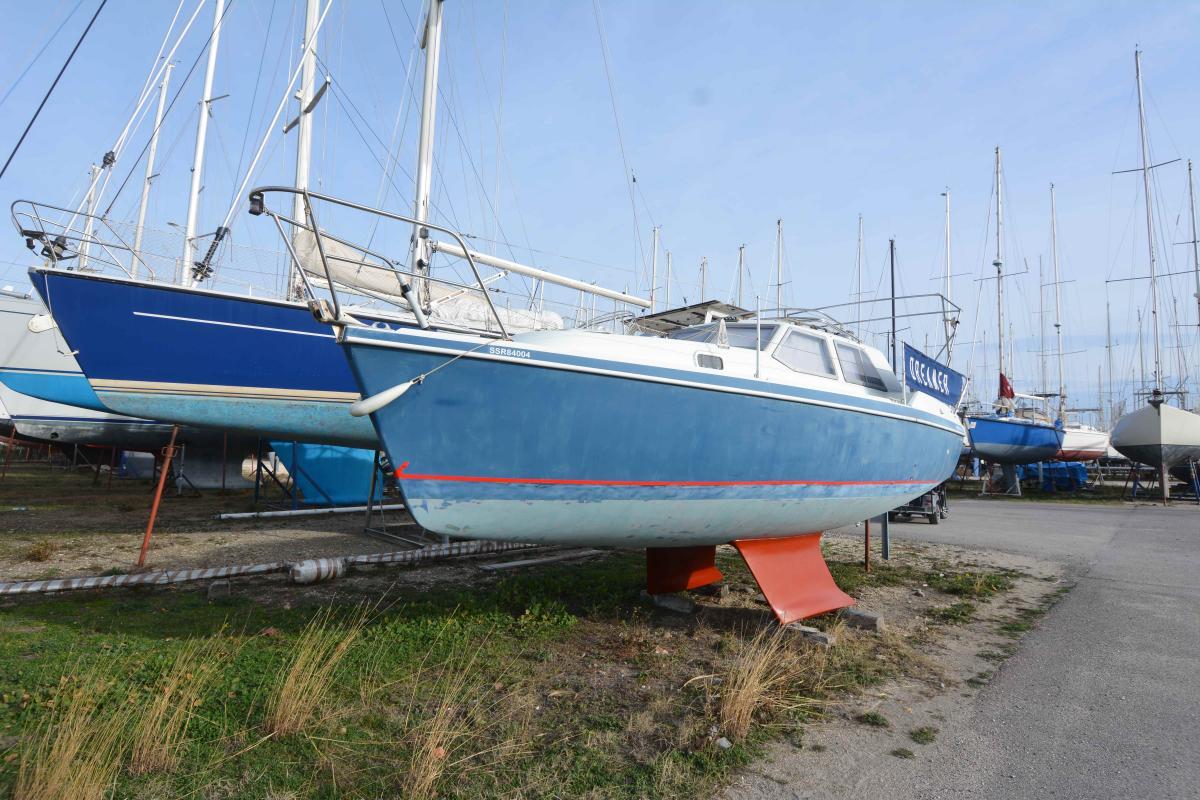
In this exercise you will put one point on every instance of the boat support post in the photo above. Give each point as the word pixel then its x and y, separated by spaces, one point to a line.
pixel 168 452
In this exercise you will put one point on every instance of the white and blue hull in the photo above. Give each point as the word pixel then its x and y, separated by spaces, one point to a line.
pixel 531 441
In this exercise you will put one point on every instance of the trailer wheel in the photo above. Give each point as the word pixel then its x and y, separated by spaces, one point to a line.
pixel 933 519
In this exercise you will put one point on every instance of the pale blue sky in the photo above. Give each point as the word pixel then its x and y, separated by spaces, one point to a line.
pixel 732 115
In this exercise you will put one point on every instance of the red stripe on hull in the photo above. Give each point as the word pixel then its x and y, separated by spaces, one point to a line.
pixel 413 476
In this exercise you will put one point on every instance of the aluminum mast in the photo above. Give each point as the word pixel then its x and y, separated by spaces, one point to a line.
pixel 145 201
pixel 1062 397
pixel 189 231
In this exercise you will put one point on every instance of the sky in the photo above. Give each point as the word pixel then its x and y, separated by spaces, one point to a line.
pixel 731 115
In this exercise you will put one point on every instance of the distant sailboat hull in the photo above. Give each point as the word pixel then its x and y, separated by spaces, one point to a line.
pixel 528 441
pixel 209 359
pixel 1161 437
pixel 1083 444
pixel 1011 440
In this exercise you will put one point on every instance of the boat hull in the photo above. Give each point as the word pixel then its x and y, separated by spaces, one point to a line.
pixel 1083 444
pixel 208 359
pixel 1162 436
pixel 515 442
pixel 1007 440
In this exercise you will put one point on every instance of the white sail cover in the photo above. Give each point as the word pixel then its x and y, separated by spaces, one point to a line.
pixel 354 269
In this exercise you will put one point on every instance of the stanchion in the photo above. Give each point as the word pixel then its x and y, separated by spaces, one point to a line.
pixel 867 546
pixel 162 482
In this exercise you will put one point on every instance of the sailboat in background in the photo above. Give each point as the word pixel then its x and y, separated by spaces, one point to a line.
pixel 1157 434
pixel 1080 442
pixel 1009 436
pixel 289 380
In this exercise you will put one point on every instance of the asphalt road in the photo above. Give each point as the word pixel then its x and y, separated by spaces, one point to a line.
pixel 1103 698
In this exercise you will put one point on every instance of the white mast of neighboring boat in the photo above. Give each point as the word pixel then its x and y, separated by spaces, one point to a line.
pixel 778 264
pixel 150 153
pixel 999 265
pixel 1157 393
pixel 431 43
pixel 1062 397
pixel 305 102
pixel 653 267
pixel 667 283
pixel 703 278
pixel 741 265
pixel 858 264
pixel 1194 243
pixel 946 319
pixel 206 99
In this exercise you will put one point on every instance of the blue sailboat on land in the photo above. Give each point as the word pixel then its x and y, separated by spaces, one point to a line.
pixel 1008 436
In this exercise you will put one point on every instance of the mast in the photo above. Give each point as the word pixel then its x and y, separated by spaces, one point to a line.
pixel 999 263
pixel 141 218
pixel 741 265
pixel 948 287
pixel 304 97
pixel 858 263
pixel 703 278
pixel 1062 396
pixel 778 264
pixel 1195 252
pixel 892 264
pixel 431 42
pixel 1156 396
pixel 92 198
pixel 1108 354
pixel 1042 329
pixel 667 287
pixel 653 265
pixel 189 231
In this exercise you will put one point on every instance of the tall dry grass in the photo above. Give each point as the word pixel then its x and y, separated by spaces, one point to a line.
pixel 75 753
pixel 768 675
pixel 161 730
pixel 303 689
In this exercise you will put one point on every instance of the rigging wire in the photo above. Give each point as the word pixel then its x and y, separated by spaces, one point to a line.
pixel 40 51
pixel 612 96
pixel 50 91
pixel 167 111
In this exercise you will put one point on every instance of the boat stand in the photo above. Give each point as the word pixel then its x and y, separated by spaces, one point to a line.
pixel 1010 477
pixel 790 571
pixel 413 535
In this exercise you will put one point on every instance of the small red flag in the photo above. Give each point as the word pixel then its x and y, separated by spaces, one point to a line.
pixel 1006 389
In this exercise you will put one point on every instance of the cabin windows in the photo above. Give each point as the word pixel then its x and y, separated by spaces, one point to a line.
pixel 857 367
pixel 709 361
pixel 803 352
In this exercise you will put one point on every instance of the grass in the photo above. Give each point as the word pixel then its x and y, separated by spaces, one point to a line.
pixel 926 734
pixel 953 614
pixel 763 677
pixel 303 688
pixel 903 752
pixel 74 751
pixel 41 550
pixel 874 719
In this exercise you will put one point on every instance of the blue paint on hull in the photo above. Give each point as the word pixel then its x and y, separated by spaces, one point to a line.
pixel 68 388
pixel 195 357
pixel 1006 440
pixel 497 448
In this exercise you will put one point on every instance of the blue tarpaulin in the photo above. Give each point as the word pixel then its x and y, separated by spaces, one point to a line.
pixel 1063 476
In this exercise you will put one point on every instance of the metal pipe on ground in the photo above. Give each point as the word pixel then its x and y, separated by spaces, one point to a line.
pixel 308 571
pixel 303 512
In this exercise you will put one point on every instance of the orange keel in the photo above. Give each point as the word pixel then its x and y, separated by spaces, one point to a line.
pixel 675 569
pixel 793 576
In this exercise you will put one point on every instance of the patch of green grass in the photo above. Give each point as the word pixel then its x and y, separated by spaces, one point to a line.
pixel 874 719
pixel 851 577
pixel 971 584
pixel 992 655
pixel 903 752
pixel 953 614
pixel 41 550
pixel 926 734
pixel 982 679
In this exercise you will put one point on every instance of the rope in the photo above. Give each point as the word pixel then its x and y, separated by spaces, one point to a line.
pixel 50 91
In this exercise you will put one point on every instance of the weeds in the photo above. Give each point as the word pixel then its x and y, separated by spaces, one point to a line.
pixel 762 679
pixel 903 752
pixel 926 734
pixel 303 688
pixel 874 719
pixel 162 729
pixel 76 753
pixel 953 614
pixel 41 550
